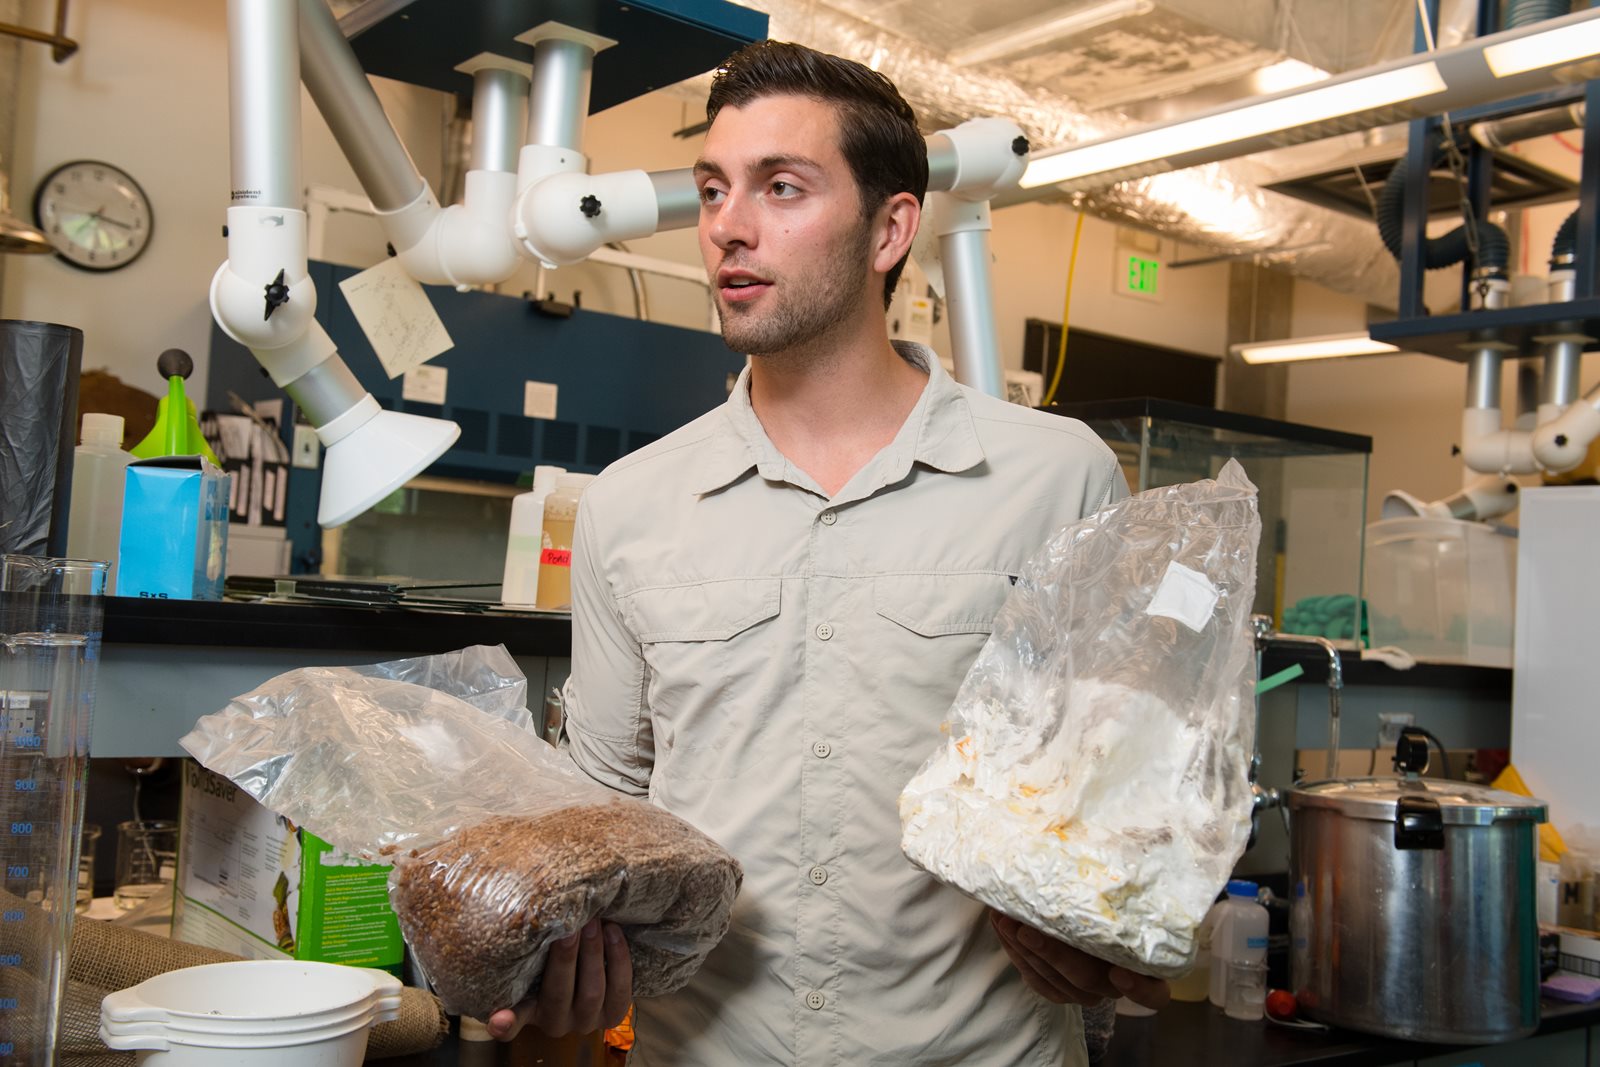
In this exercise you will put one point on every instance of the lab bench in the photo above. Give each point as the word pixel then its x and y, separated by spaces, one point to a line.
pixel 1198 1035
pixel 164 663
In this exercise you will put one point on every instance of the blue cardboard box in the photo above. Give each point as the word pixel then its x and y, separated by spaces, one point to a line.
pixel 174 529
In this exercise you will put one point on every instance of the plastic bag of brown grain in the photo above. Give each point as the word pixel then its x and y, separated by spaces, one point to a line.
pixel 500 845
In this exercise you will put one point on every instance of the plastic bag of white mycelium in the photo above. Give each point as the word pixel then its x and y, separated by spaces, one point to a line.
pixel 1093 781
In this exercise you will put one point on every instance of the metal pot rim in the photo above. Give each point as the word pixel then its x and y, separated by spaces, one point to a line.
pixel 1460 803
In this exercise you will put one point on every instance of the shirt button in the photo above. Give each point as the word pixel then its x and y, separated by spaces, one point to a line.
pixel 822 750
pixel 815 1000
pixel 828 518
pixel 824 632
pixel 818 875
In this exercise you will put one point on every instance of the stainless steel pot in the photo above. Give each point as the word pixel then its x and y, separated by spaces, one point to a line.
pixel 1412 911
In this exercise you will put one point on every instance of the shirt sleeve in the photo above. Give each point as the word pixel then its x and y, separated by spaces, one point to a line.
pixel 607 728
pixel 1105 490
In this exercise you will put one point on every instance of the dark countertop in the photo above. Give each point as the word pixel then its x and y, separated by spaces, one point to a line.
pixel 1193 1035
pixel 358 628
pixel 1199 1035
pixel 1356 671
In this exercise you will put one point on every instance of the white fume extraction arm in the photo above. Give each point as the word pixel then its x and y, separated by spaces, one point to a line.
pixel 527 195
pixel 1483 498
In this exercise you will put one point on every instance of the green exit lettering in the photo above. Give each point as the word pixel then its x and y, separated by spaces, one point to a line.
pixel 1141 275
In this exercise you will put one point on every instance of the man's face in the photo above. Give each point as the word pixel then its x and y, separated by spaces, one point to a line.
pixel 781 228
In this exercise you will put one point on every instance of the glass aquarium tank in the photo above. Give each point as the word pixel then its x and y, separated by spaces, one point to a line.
pixel 430 528
pixel 1313 485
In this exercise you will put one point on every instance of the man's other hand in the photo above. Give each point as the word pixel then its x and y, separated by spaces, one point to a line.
pixel 1062 974
pixel 587 986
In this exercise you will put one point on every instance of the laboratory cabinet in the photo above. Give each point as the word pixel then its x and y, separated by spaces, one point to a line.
pixel 165 663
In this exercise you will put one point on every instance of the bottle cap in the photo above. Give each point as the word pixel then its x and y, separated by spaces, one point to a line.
pixel 545 476
pixel 573 481
pixel 473 1030
pixel 1241 888
pixel 101 429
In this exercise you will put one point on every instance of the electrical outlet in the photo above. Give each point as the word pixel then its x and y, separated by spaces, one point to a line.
pixel 19 720
pixel 306 447
pixel 1390 723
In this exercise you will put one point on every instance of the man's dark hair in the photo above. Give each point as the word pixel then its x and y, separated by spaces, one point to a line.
pixel 878 133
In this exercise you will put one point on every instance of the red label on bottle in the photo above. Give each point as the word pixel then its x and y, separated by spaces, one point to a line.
pixel 556 557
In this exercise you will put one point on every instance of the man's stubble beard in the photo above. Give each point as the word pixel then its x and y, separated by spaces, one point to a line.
pixel 809 309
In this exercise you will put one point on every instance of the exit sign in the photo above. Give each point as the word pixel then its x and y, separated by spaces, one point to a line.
pixel 1136 268
pixel 1141 275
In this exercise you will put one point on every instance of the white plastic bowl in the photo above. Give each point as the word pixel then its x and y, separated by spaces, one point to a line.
pixel 251 1013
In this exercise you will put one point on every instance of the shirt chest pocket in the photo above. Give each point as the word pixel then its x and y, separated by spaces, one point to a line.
pixel 942 605
pixel 930 630
pixel 710 657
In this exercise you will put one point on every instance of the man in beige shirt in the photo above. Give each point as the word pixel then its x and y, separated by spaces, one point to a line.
pixel 774 606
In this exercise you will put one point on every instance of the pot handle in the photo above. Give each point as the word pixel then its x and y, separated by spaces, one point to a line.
pixel 1418 824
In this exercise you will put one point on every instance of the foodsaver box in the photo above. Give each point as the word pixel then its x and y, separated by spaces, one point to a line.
pixel 252 883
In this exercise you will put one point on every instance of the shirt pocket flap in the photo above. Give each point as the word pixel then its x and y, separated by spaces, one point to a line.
pixel 934 605
pixel 714 611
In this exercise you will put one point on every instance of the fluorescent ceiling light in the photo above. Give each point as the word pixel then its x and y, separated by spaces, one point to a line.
pixel 1051 26
pixel 1331 346
pixel 1288 74
pixel 1547 48
pixel 1307 107
pixel 1501 66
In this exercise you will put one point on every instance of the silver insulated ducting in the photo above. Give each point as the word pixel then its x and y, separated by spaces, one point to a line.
pixel 930 49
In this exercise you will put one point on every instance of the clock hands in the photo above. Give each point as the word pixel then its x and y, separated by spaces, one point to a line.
pixel 97 214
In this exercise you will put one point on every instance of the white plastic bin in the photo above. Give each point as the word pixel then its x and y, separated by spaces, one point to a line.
pixel 1442 589
pixel 251 1013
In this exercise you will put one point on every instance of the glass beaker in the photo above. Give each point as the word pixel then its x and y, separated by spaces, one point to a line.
pixel 50 612
pixel 147 861
pixel 87 844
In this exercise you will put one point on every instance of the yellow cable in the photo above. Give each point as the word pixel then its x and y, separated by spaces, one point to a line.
pixel 1066 307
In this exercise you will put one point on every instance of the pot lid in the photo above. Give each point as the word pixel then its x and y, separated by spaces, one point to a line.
pixel 1460 803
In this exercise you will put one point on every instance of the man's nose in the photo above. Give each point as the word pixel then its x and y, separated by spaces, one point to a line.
pixel 734 222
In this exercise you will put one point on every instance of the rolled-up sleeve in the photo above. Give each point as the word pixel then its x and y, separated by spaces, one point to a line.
pixel 607 731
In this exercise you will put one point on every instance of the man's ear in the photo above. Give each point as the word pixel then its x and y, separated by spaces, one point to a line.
pixel 895 227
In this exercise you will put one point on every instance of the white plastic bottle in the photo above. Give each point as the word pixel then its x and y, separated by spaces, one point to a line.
pixel 555 559
pixel 1238 938
pixel 99 472
pixel 519 586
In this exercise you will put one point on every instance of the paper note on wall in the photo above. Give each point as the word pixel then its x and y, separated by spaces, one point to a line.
pixel 425 385
pixel 397 317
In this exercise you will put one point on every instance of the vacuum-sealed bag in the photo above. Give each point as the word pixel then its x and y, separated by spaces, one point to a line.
pixel 500 845
pixel 1094 779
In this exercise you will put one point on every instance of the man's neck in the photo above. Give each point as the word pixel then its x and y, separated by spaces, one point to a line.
pixel 829 412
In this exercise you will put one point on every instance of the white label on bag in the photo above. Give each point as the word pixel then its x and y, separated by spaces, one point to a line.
pixel 1185 595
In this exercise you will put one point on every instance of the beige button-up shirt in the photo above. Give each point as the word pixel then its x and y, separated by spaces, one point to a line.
pixel 773 665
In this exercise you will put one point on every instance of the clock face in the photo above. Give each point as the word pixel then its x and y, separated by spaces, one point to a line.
pixel 95 215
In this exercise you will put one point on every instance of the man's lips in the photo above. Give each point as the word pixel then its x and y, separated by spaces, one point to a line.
pixel 737 286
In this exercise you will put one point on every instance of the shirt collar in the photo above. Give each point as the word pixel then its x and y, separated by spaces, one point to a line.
pixel 938 433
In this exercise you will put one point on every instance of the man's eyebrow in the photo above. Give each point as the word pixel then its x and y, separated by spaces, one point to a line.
pixel 786 162
pixel 707 169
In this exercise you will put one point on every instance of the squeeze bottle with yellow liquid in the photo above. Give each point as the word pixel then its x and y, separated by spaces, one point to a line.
pixel 555 556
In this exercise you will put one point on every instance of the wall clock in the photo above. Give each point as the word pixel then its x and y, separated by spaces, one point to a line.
pixel 95 214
